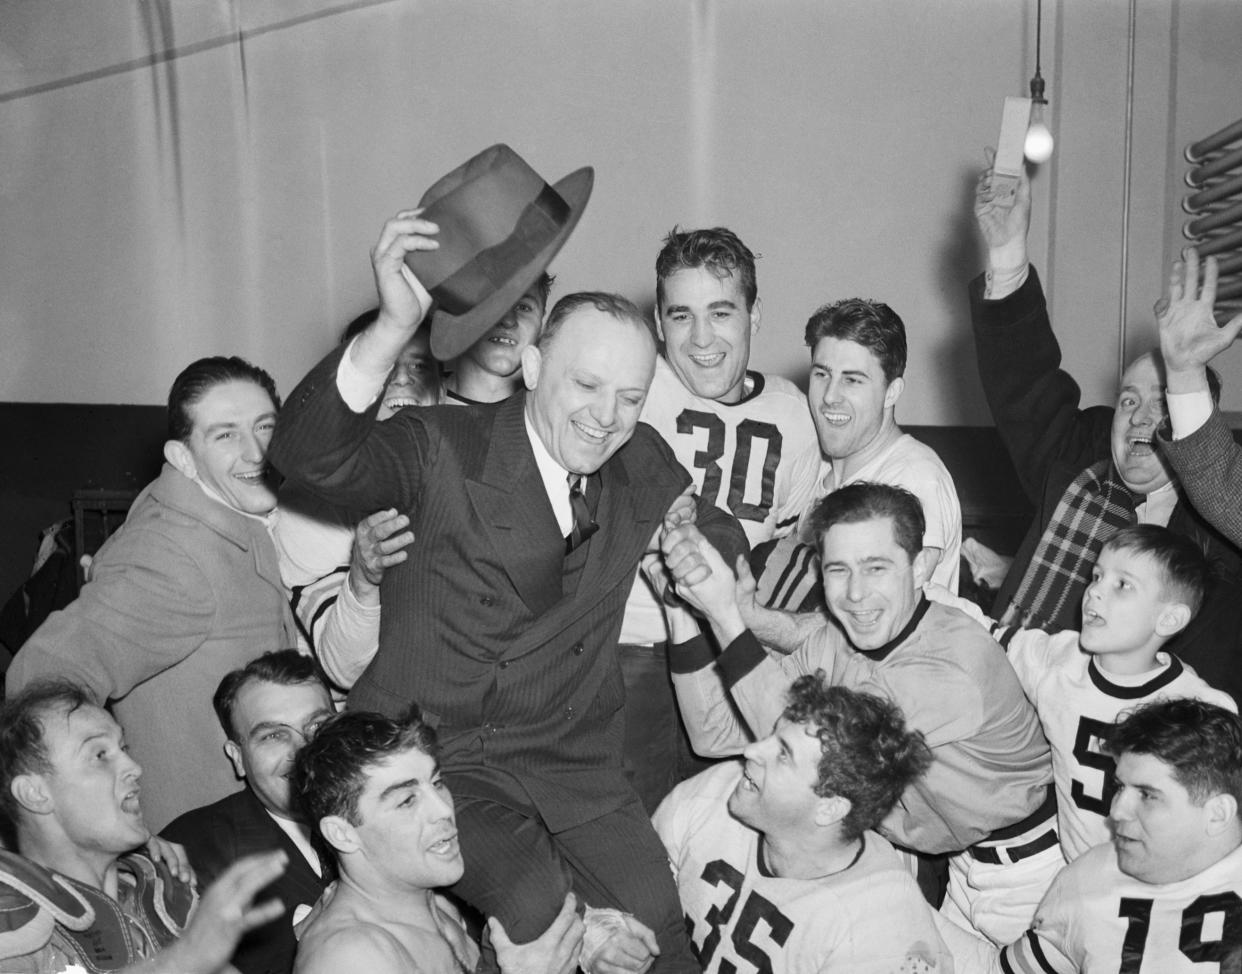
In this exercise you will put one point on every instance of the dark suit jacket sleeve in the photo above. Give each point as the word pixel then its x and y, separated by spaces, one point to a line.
pixel 348 458
pixel 1034 402
pixel 211 847
pixel 1209 465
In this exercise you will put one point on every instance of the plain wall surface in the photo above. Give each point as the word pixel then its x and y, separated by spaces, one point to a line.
pixel 179 179
pixel 182 179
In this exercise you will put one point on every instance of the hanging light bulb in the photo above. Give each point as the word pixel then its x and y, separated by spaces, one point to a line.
pixel 1038 145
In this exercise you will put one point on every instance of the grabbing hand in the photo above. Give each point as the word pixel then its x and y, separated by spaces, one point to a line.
pixel 628 945
pixel 172 855
pixel 1189 335
pixel 555 951
pixel 377 547
pixel 404 302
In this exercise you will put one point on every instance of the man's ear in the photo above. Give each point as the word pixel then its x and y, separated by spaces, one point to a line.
pixel 893 392
pixel 338 833
pixel 179 455
pixel 659 323
pixel 1222 812
pixel 923 565
pixel 756 315
pixel 235 755
pixel 532 364
pixel 831 810
pixel 1173 618
pixel 30 791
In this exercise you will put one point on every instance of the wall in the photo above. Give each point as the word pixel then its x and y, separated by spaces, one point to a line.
pixel 184 179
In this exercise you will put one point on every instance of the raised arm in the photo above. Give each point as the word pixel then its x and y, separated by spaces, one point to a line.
pixel 1034 403
pixel 326 438
pixel 1207 460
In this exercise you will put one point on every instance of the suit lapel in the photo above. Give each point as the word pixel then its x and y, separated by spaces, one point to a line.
pixel 512 507
pixel 257 830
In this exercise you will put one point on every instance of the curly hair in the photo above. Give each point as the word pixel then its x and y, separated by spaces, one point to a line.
pixel 867 754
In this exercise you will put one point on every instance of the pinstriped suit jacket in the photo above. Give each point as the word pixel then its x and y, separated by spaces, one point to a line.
pixel 519 676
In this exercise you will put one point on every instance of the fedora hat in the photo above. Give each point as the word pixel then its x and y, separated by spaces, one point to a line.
pixel 500 227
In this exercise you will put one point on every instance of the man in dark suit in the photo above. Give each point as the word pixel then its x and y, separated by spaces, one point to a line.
pixel 267 709
pixel 531 516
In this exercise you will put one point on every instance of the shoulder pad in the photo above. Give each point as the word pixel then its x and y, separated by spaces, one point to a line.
pixel 32 901
pixel 162 894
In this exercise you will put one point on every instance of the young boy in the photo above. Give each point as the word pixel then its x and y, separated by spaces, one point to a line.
pixel 1145 588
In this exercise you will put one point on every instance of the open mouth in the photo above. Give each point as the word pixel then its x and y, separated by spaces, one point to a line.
pixel 503 340
pixel 446 847
pixel 748 783
pixel 1092 618
pixel 401 402
pixel 708 361
pixel 131 803
pixel 865 620
pixel 834 418
pixel 253 478
pixel 592 433
pixel 1141 446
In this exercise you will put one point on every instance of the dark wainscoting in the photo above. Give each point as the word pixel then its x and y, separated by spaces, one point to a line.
pixel 53 450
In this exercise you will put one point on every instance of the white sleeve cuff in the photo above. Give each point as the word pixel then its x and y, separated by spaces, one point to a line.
pixel 1188 411
pixel 358 388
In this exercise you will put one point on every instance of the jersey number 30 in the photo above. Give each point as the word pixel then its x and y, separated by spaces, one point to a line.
pixel 708 460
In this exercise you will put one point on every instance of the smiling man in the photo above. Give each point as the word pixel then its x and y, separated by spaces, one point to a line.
pixel 1166 893
pixel 987 795
pixel 81 893
pixel 531 516
pixel 268 710
pixel 186 590
pixel 745 437
pixel 373 791
pixel 787 836
pixel 1087 471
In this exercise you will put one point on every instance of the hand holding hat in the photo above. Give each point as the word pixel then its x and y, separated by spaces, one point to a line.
pixel 404 302
pixel 500 226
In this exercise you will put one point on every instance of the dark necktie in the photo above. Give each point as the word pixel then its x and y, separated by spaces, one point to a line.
pixel 583 526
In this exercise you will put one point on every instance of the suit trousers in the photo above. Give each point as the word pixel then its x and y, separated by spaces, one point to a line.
pixel 519 872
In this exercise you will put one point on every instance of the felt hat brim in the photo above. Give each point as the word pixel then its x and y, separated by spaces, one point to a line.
pixel 453 334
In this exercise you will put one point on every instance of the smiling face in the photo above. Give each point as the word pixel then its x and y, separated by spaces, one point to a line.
pixel 776 794
pixel 706 327
pixel 871 583
pixel 415 380
pixel 227 448
pixel 849 397
pixel 406 829
pixel 1124 608
pixel 94 784
pixel 1161 835
pixel 588 386
pixel 499 351
pixel 1140 411
pixel 271 721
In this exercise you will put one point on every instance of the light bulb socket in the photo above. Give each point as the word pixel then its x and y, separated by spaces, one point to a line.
pixel 1037 89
